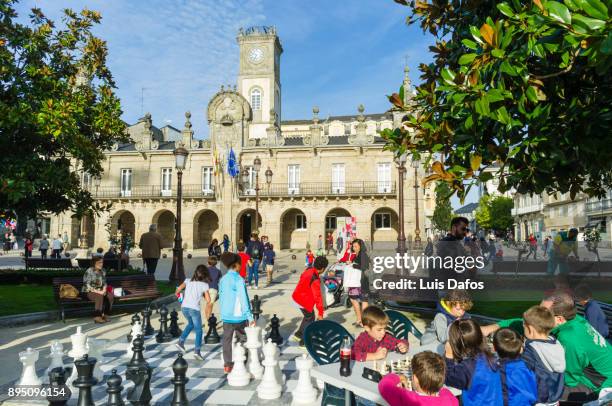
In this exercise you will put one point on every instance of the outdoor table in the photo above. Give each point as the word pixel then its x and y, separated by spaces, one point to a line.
pixel 357 384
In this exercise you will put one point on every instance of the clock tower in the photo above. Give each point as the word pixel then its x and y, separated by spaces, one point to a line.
pixel 259 77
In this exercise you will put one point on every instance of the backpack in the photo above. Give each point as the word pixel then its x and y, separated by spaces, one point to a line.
pixel 67 291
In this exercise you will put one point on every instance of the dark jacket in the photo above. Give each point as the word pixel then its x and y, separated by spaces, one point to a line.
pixel 546 358
pixel 215 276
pixel 255 249
pixel 214 250
pixel 269 255
pixel 479 381
pixel 596 317
pixel 519 386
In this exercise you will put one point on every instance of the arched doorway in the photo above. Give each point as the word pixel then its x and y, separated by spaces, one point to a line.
pixel 245 225
pixel 77 227
pixel 385 225
pixel 205 225
pixel 165 221
pixel 293 229
pixel 335 223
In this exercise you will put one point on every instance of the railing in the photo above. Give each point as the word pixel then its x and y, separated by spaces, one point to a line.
pixel 599 205
pixel 150 191
pixel 321 189
pixel 527 209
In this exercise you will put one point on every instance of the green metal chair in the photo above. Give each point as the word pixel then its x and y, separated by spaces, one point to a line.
pixel 400 326
pixel 323 339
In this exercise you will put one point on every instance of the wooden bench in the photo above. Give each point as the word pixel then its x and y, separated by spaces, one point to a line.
pixel 107 263
pixel 55 263
pixel 139 288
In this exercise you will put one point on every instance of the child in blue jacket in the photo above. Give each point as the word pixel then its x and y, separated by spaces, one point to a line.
pixel 235 306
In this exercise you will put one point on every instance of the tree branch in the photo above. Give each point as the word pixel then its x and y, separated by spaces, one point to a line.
pixel 562 72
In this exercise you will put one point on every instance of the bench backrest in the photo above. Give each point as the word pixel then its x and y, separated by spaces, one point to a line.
pixel 134 284
pixel 48 263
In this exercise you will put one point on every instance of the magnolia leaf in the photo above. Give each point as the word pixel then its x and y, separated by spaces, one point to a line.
pixel 531 94
pixel 595 8
pixel 469 43
pixel 466 59
pixel 538 3
pixel 396 100
pixel 559 12
pixel 488 34
pixel 590 24
pixel 476 34
pixel 475 161
pixel 505 9
pixel 498 53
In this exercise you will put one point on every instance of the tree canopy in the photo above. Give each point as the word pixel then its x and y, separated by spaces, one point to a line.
pixel 443 212
pixel 494 213
pixel 521 86
pixel 58 111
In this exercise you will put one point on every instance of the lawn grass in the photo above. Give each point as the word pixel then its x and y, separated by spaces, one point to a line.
pixel 30 298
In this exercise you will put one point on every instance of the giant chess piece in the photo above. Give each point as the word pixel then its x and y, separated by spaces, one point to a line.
pixel 135 319
pixel 280 377
pixel 79 344
pixel 239 375
pixel 57 381
pixel 175 330
pixel 163 335
pixel 85 380
pixel 114 390
pixel 256 306
pixel 139 372
pixel 212 336
pixel 57 357
pixel 28 375
pixel 147 328
pixel 269 388
pixel 95 348
pixel 136 331
pixel 304 393
pixel 253 344
pixel 274 334
pixel 179 381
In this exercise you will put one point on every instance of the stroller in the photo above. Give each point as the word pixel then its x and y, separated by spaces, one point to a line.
pixel 334 294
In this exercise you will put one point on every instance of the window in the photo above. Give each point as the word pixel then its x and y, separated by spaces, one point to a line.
pixel 126 182
pixel 300 222
pixel 293 179
pixel 384 177
pixel 250 186
pixel 337 178
pixel 86 180
pixel 382 220
pixel 207 179
pixel 331 222
pixel 256 99
pixel 166 181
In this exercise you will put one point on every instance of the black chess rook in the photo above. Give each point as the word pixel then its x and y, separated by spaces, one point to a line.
pixel 57 379
pixel 212 336
pixel 274 333
pixel 163 335
pixel 85 380
pixel 114 390
pixel 179 367
pixel 147 328
pixel 175 330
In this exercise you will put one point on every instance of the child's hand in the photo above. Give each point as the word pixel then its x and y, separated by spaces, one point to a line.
pixel 402 347
pixel 448 351
pixel 381 353
pixel 404 382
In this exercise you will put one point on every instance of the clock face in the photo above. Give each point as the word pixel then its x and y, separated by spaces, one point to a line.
pixel 256 55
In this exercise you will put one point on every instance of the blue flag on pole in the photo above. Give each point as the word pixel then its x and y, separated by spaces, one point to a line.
pixel 232 165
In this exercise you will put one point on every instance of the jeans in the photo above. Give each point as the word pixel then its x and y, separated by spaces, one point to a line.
pixel 194 320
pixel 253 271
pixel 43 253
pixel 151 265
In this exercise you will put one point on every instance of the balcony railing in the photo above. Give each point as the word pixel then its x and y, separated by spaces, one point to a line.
pixel 527 209
pixel 150 191
pixel 598 205
pixel 321 189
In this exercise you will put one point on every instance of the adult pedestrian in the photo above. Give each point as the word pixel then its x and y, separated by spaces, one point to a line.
pixel 329 242
pixel 65 242
pixel 14 242
pixel 151 244
pixel 319 252
pixel 563 245
pixel 451 247
pixel 339 244
pixel 28 246
pixel 546 246
pixel 96 290
pixel 533 246
pixel 429 248
pixel 357 257
pixel 43 247
pixel 226 243
pixel 56 245
pixel 255 252
pixel 214 250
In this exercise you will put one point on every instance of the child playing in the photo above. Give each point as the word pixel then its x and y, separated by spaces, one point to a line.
pixel 428 370
pixel 235 307
pixel 244 260
pixel 309 259
pixel 453 307
pixel 592 311
pixel 307 295
pixel 543 354
pixel 519 386
pixel 195 288
pixel 375 342
pixel 470 366
pixel 213 286
pixel 268 260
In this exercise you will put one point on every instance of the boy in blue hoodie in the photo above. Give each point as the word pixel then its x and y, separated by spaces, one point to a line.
pixel 235 307
pixel 453 307
pixel 519 386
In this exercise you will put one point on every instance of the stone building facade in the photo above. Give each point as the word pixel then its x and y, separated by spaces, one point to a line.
pixel 323 170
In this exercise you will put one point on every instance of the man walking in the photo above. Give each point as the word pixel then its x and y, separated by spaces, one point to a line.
pixel 255 251
pixel 150 244
pixel 56 245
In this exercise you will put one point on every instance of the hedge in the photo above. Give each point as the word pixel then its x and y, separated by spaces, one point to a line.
pixel 45 276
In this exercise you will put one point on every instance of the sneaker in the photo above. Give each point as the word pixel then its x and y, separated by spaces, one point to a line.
pixel 198 356
pixel 295 338
pixel 181 346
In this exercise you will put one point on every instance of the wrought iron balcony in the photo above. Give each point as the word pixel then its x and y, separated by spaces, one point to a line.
pixel 320 189
pixel 150 192
pixel 598 205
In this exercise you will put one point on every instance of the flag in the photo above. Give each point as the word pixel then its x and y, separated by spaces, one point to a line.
pixel 232 165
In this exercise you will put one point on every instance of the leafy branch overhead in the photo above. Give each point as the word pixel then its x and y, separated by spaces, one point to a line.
pixel 519 86
pixel 58 111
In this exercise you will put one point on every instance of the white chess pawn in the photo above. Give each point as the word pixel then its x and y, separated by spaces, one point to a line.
pixel 239 375
pixel 28 376
pixel 304 392
pixel 253 344
pixel 79 344
pixel 95 348
pixel 57 357
pixel 136 331
pixel 270 387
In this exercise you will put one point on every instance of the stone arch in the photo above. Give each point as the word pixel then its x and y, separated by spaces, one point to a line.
pixel 245 224
pixel 166 223
pixel 205 225
pixel 333 222
pixel 123 222
pixel 292 237
pixel 87 226
pixel 384 225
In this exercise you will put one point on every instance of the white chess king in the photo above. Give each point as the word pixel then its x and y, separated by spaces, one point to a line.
pixel 270 387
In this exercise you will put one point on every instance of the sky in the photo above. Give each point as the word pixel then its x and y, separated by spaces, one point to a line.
pixel 172 56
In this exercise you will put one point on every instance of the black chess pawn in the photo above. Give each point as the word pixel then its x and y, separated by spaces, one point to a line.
pixel 212 336
pixel 274 333
pixel 114 390
pixel 256 306
pixel 175 330
pixel 57 381
pixel 163 335
pixel 138 359
pixel 85 380
pixel 147 328
pixel 179 367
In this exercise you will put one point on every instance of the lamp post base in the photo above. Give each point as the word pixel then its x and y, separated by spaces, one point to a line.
pixel 177 273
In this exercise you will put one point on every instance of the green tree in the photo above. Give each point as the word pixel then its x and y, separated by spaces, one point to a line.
pixel 443 212
pixel 483 213
pixel 501 213
pixel 58 111
pixel 523 86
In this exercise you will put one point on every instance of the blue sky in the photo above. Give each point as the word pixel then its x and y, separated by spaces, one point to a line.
pixel 337 54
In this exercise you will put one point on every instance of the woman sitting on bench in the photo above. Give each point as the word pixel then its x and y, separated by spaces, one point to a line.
pixel 96 290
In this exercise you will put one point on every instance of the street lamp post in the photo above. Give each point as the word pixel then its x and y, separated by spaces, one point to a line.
pixel 417 231
pixel 256 168
pixel 178 271
pixel 401 169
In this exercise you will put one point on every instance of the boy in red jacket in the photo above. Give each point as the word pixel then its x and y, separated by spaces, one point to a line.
pixel 307 295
